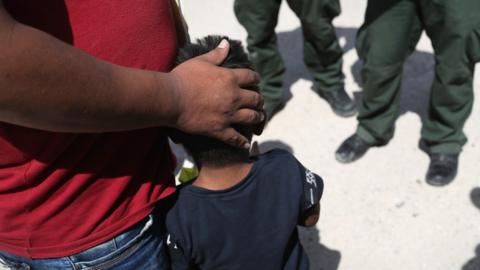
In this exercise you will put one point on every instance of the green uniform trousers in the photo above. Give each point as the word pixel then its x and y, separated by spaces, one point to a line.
pixel 322 53
pixel 473 45
pixel 390 33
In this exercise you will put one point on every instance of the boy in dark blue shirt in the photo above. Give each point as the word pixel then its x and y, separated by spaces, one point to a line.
pixel 241 212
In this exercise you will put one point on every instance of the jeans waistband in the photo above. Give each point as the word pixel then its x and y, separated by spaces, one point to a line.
pixel 107 249
pixel 115 243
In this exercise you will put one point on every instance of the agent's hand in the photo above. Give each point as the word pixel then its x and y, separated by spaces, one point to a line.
pixel 211 98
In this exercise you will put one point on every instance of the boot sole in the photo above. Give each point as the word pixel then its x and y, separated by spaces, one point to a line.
pixel 443 183
pixel 346 114
pixel 347 161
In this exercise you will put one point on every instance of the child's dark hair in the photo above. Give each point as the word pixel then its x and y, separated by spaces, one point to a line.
pixel 236 58
pixel 205 150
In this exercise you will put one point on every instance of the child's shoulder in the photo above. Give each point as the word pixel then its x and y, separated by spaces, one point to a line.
pixel 278 164
pixel 277 153
pixel 181 201
pixel 277 157
pixel 181 215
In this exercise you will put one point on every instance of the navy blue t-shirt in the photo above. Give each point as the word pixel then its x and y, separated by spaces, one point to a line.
pixel 252 225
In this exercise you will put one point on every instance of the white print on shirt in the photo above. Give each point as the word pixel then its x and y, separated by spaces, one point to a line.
pixel 169 242
pixel 310 178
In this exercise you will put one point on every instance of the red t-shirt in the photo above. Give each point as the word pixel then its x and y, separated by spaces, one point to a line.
pixel 63 193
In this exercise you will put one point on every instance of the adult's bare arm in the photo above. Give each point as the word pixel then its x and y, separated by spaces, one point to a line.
pixel 49 85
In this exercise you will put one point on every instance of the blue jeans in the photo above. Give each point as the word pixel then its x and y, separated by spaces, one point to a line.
pixel 140 247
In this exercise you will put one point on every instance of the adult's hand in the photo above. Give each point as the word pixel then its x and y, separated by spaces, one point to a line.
pixel 75 92
pixel 210 98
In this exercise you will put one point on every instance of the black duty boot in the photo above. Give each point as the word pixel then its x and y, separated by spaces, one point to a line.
pixel 352 149
pixel 442 169
pixel 340 102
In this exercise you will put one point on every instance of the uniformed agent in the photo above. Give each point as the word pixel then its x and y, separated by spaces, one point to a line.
pixel 390 33
pixel 322 53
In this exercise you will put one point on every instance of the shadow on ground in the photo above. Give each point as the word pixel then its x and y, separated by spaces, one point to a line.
pixel 474 263
pixel 290 45
pixel 321 257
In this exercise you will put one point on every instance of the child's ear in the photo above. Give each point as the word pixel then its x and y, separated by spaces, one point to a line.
pixel 254 150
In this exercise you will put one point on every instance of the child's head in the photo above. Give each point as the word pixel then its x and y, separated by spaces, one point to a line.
pixel 205 150
pixel 236 58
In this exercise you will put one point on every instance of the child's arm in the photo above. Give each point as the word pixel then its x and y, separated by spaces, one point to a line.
pixel 310 217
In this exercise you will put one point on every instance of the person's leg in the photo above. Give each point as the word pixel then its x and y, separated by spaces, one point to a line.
pixel 473 45
pixel 259 19
pixel 140 247
pixel 449 24
pixel 322 52
pixel 389 34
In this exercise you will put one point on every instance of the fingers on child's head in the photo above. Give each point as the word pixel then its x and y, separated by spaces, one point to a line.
pixel 251 99
pixel 234 138
pixel 246 77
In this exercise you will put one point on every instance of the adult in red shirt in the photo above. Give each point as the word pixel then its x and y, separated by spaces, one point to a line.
pixel 85 87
